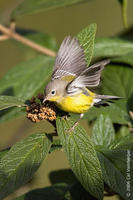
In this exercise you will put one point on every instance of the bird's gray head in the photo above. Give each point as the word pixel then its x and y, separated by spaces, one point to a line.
pixel 55 90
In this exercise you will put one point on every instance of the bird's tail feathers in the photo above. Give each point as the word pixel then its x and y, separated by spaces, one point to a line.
pixel 103 98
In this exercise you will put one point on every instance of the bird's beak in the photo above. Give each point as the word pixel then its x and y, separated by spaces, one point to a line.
pixel 45 99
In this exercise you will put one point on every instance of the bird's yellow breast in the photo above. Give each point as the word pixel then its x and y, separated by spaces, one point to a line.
pixel 78 103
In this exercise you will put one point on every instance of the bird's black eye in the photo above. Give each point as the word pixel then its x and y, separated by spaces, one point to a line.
pixel 53 92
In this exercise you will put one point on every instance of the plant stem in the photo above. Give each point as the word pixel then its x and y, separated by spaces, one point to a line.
pixel 3 37
pixel 124 13
pixel 8 32
pixel 131 114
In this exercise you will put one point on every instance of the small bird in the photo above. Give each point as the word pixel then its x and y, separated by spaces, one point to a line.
pixel 72 80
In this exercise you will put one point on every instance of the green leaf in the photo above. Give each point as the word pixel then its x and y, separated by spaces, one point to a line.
pixel 56 145
pixel 123 131
pixel 21 161
pixel 123 139
pixel 20 198
pixel 60 191
pixel 123 142
pixel 40 38
pixel 3 152
pixel 103 132
pixel 56 192
pixel 82 156
pixel 118 81
pixel 123 161
pixel 123 4
pixel 126 59
pixel 32 74
pixel 114 111
pixel 86 38
pixel 112 172
pixel 12 113
pixel 32 6
pixel 26 80
pixel 9 101
pixel 112 46
pixel 118 157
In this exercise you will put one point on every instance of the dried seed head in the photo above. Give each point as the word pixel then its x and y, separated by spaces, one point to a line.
pixel 32 100
pixel 37 111
pixel 40 97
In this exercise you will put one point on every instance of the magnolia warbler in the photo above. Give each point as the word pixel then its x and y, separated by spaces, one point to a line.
pixel 72 80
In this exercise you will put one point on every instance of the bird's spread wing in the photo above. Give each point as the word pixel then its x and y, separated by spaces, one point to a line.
pixel 90 77
pixel 70 59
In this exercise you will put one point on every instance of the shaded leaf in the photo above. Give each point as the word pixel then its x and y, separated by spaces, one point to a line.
pixel 26 80
pixel 56 192
pixel 120 158
pixel 21 161
pixel 127 59
pixel 103 131
pixel 31 6
pixel 123 139
pixel 123 131
pixel 113 175
pixel 125 142
pixel 118 81
pixel 40 38
pixel 20 198
pixel 112 46
pixel 31 74
pixel 114 111
pixel 3 152
pixel 59 191
pixel 87 38
pixel 12 113
pixel 123 161
pixel 56 145
pixel 9 101
pixel 62 176
pixel 82 156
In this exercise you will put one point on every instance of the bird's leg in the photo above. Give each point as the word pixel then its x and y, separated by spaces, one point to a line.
pixel 65 117
pixel 76 123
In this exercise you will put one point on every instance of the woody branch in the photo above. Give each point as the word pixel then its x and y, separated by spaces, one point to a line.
pixel 10 33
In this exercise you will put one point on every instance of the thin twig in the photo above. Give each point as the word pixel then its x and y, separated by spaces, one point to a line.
pixel 130 126
pixel 131 114
pixel 12 26
pixel 4 37
pixel 11 34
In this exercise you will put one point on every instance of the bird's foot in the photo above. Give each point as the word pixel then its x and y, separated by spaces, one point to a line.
pixel 65 117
